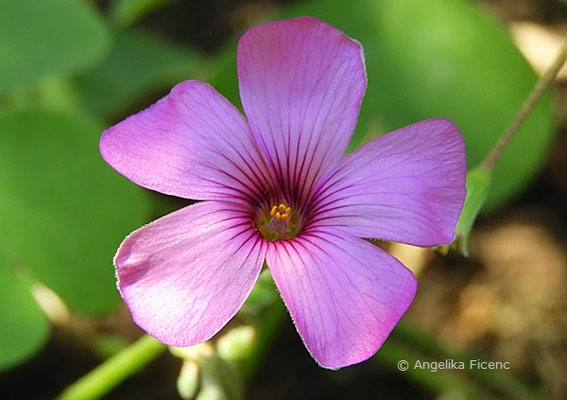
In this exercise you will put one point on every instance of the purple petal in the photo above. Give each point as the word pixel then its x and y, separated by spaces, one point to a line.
pixel 344 294
pixel 192 143
pixel 407 186
pixel 301 83
pixel 186 274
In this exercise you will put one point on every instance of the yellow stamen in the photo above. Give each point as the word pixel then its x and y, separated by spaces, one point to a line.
pixel 281 212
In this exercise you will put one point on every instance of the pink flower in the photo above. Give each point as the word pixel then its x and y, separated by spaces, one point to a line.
pixel 277 188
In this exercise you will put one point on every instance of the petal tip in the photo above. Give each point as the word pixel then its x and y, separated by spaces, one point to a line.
pixel 105 145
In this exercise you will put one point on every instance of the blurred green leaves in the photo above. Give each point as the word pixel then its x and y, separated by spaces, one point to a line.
pixel 23 327
pixel 64 211
pixel 137 64
pixel 437 58
pixel 126 12
pixel 43 38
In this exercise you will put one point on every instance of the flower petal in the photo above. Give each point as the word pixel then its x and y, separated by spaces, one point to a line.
pixel 301 83
pixel 192 143
pixel 344 294
pixel 407 186
pixel 186 274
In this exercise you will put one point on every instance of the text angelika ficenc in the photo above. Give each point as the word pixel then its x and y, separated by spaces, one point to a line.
pixel 451 364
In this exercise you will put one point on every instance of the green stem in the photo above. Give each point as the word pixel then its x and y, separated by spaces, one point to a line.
pixel 113 371
pixel 542 84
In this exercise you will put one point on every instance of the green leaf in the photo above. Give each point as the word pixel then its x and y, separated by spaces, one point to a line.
pixel 46 38
pixel 63 210
pixel 23 326
pixel 126 12
pixel 478 186
pixel 437 58
pixel 138 63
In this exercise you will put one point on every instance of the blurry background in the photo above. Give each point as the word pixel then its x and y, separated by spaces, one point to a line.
pixel 70 68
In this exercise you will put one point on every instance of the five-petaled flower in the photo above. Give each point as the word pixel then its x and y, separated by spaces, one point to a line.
pixel 277 188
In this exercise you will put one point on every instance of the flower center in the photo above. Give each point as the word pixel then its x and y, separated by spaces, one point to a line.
pixel 277 223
